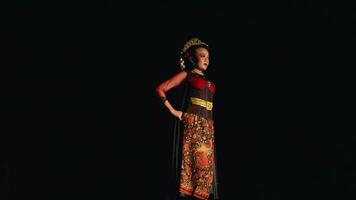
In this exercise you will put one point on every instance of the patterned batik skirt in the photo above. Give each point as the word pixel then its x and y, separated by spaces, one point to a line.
pixel 198 162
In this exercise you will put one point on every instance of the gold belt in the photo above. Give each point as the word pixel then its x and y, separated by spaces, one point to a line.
pixel 200 102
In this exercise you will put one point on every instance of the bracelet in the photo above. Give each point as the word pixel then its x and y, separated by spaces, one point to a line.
pixel 163 99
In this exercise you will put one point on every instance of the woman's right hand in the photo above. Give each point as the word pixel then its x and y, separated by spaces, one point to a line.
pixel 177 113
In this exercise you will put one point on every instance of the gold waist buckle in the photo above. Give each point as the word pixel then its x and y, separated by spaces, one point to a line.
pixel 200 102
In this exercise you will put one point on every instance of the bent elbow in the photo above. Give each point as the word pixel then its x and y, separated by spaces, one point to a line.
pixel 158 90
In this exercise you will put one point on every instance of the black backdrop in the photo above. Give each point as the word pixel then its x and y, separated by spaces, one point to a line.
pixel 81 120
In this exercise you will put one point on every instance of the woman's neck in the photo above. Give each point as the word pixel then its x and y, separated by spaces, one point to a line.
pixel 198 71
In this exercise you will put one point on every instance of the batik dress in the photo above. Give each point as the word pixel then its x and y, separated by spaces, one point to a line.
pixel 198 174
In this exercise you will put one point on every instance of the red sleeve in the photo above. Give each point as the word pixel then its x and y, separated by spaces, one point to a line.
pixel 166 85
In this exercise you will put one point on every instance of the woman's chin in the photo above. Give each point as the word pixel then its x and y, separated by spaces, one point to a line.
pixel 203 68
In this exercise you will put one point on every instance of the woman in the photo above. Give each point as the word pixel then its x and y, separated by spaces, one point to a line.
pixel 197 172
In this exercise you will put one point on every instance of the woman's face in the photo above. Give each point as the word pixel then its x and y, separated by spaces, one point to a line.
pixel 201 58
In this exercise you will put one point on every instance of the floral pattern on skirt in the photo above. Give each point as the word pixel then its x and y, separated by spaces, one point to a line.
pixel 197 169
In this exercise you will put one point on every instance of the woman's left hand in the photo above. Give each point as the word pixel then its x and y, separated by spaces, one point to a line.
pixel 177 113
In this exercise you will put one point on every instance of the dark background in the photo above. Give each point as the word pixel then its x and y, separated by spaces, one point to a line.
pixel 81 120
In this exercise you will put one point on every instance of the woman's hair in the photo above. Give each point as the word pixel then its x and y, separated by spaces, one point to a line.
pixel 188 52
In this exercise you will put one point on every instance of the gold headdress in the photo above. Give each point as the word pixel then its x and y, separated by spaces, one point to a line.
pixel 192 42
pixel 187 45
